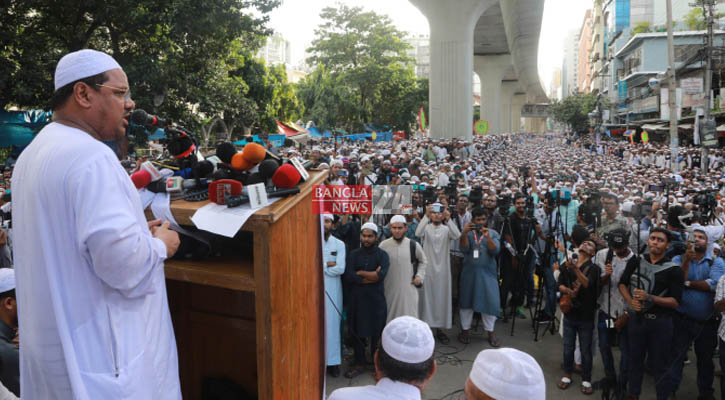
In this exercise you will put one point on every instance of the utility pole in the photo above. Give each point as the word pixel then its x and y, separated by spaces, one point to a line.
pixel 707 7
pixel 672 92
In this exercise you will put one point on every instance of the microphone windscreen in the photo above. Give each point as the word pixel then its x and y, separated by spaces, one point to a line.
pixel 139 117
pixel 204 168
pixel 225 151
pixel 240 163
pixel 254 178
pixel 141 178
pixel 286 177
pixel 218 189
pixel 254 153
pixel 267 168
pixel 185 173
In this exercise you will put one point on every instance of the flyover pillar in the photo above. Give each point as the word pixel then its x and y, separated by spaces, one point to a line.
pixel 517 101
pixel 451 63
pixel 508 88
pixel 491 70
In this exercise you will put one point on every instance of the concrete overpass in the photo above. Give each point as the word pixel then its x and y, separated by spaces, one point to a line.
pixel 499 41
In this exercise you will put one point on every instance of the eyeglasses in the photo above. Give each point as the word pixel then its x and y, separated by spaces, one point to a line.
pixel 126 93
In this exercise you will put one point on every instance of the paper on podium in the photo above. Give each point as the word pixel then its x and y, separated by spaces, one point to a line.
pixel 223 220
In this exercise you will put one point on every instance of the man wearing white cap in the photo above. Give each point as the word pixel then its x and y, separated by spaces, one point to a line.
pixel 403 365
pixel 365 271
pixel 10 370
pixel 505 374
pixel 333 253
pixel 91 289
pixel 403 279
pixel 436 303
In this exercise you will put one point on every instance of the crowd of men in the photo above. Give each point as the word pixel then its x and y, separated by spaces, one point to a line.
pixel 628 250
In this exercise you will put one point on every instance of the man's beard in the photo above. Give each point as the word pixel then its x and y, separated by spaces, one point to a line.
pixel 399 240
pixel 699 249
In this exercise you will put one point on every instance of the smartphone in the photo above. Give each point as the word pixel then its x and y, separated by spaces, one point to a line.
pixel 437 209
pixel 343 172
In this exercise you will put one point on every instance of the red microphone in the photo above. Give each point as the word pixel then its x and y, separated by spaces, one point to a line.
pixel 223 188
pixel 286 177
pixel 141 178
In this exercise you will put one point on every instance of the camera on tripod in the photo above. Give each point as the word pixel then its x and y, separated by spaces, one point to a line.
pixel 504 205
pixel 617 238
pixel 475 198
pixel 641 210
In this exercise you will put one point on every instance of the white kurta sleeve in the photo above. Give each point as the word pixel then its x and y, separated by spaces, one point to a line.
pixel 453 232
pixel 339 267
pixel 110 232
pixel 422 261
pixel 420 230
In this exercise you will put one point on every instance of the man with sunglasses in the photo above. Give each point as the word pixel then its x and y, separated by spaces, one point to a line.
pixel 94 317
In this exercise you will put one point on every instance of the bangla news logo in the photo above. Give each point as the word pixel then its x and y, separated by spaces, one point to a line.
pixel 362 199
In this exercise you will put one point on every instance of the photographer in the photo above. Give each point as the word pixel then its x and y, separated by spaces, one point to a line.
pixel 518 231
pixel 547 219
pixel 612 262
pixel 695 319
pixel 461 217
pixel 578 284
pixel 612 220
pixel 479 279
pixel 493 216
pixel 652 288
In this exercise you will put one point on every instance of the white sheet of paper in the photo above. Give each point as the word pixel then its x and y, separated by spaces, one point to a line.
pixel 223 220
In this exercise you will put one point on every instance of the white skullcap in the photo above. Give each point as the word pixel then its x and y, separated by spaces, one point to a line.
pixel 337 162
pixel 7 279
pixel 408 339
pixel 369 225
pixel 508 374
pixel 82 64
pixel 328 216
pixel 398 218
pixel 627 206
pixel 324 165
pixel 716 246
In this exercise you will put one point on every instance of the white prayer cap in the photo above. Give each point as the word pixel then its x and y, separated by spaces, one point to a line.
pixel 337 162
pixel 398 218
pixel 7 279
pixel 369 225
pixel 627 206
pixel 328 216
pixel 717 246
pixel 324 165
pixel 408 339
pixel 508 374
pixel 82 64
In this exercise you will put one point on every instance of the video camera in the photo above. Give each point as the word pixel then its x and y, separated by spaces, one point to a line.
pixel 475 198
pixel 640 211
pixel 504 205
pixel 617 238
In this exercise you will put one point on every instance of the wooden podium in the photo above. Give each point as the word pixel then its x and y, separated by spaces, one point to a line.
pixel 256 318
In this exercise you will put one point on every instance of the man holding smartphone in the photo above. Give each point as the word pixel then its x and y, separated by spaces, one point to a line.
pixel 436 231
pixel 479 278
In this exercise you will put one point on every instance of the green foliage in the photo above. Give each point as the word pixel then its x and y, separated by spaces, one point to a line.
pixel 184 59
pixel 695 20
pixel 573 110
pixel 642 27
pixel 362 74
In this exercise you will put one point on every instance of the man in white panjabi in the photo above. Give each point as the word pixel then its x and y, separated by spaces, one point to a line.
pixel 435 304
pixel 401 286
pixel 93 313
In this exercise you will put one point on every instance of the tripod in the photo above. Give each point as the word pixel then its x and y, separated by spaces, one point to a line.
pixel 519 284
pixel 546 264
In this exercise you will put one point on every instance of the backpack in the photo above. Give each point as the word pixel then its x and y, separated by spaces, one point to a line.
pixel 414 260
pixel 644 278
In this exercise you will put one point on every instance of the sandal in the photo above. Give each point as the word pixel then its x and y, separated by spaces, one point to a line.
pixel 442 337
pixel 587 388
pixel 493 341
pixel 354 372
pixel 464 337
pixel 564 383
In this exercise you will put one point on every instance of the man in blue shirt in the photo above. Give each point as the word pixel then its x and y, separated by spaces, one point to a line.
pixel 695 318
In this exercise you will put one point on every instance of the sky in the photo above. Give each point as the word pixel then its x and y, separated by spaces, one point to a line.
pixel 296 21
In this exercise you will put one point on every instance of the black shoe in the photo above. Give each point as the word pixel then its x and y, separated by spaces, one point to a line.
pixel 334 370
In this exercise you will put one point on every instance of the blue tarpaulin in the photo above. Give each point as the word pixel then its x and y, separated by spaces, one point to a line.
pixel 18 128
pixel 276 140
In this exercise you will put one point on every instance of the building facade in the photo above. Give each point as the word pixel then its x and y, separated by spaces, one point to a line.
pixel 570 66
pixel 584 77
pixel 420 52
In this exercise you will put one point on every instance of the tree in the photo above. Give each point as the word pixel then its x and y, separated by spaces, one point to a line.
pixel 180 56
pixel 642 27
pixel 573 110
pixel 364 53
pixel 695 20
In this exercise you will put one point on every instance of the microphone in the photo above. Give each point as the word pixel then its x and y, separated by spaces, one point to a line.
pixel 267 168
pixel 254 153
pixel 225 151
pixel 223 188
pixel 205 168
pixel 174 184
pixel 236 201
pixel 141 117
pixel 286 177
pixel 240 163
pixel 141 178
